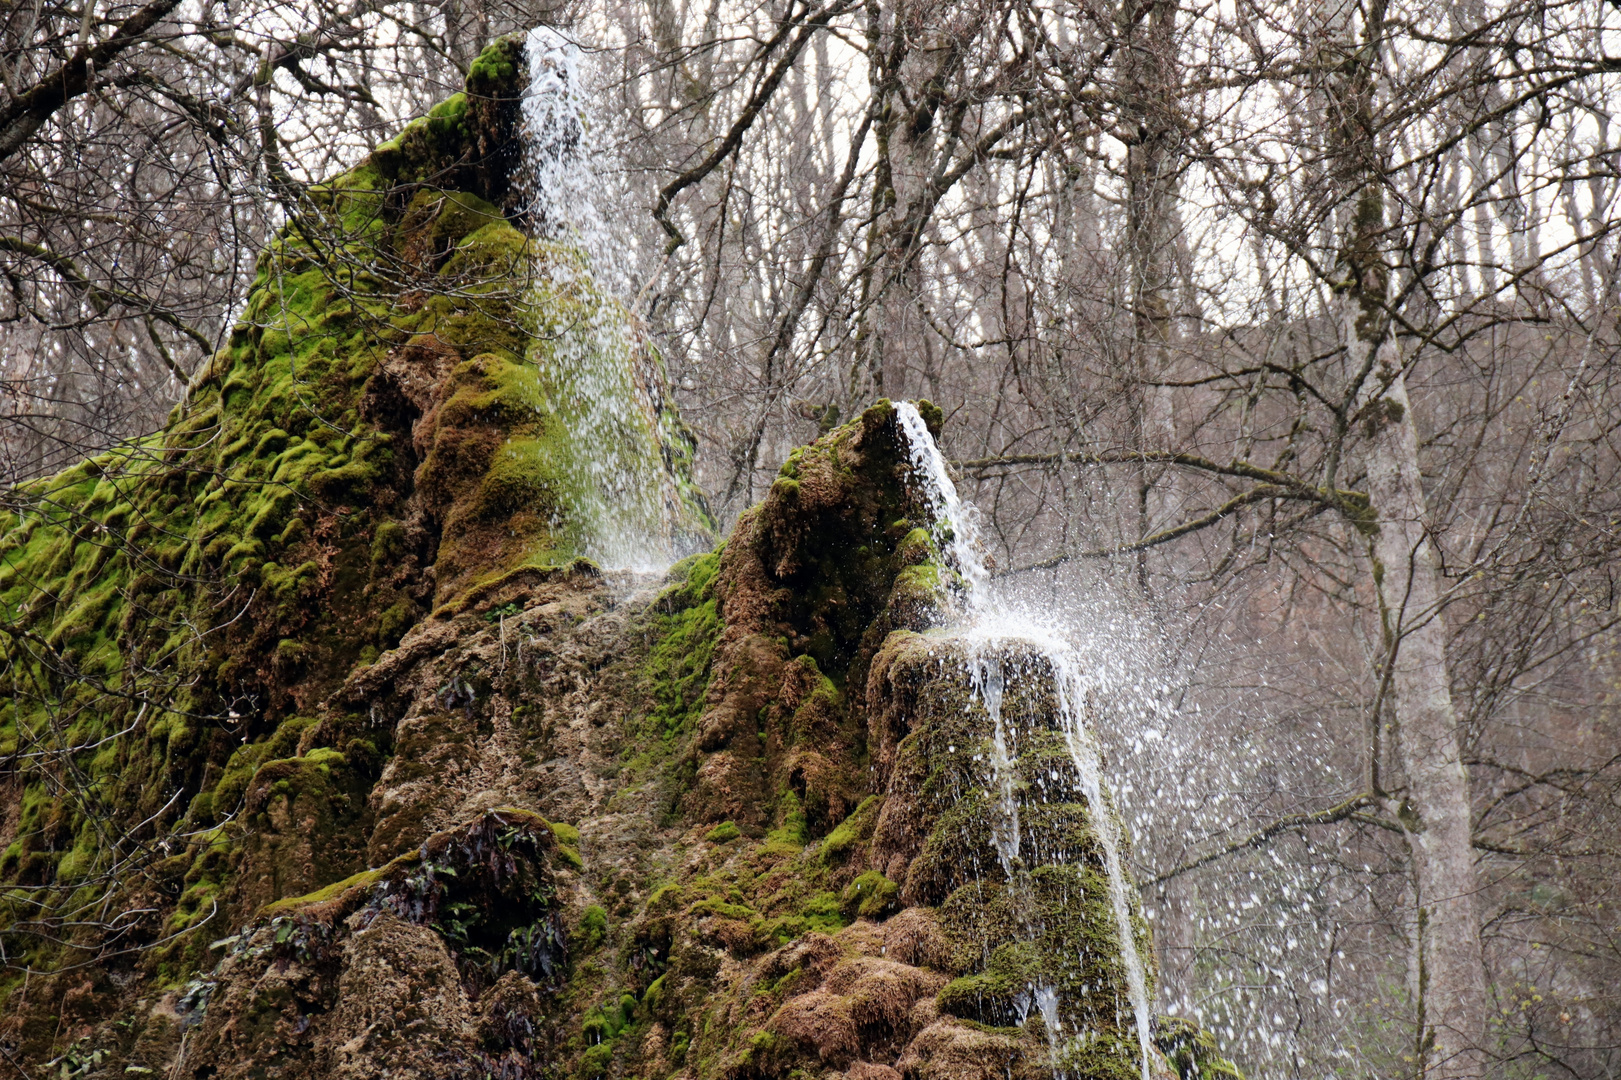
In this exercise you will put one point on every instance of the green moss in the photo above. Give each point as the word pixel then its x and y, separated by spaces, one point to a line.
pixel 934 418
pixel 597 1060
pixel 568 841
pixel 822 911
pixel 870 896
pixel 723 833
pixel 686 620
pixel 495 64
pixel 1192 1051
pixel 593 928
pixel 993 995
pixel 789 837
pixel 654 995
pixel 362 880
pixel 852 832
pixel 388 544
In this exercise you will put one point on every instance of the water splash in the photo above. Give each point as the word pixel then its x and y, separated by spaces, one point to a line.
pixel 987 626
pixel 569 175
pixel 1047 1005
pixel 612 433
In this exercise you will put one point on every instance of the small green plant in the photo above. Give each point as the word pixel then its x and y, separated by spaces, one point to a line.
pixel 593 927
pixel 79 1060
pixel 505 611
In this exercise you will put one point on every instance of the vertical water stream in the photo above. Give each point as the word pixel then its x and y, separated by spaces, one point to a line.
pixel 986 627
pixel 602 384
pixel 1084 752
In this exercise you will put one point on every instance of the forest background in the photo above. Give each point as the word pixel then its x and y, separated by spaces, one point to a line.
pixel 1277 342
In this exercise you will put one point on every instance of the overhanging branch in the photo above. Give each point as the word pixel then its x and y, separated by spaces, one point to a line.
pixel 24 114
pixel 1342 811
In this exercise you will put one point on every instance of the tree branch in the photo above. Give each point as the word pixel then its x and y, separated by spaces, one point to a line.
pixel 1344 810
pixel 24 114
pixel 102 299
pixel 1165 536
pixel 745 120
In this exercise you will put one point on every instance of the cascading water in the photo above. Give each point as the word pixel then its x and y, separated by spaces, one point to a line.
pixel 950 512
pixel 1083 751
pixel 602 383
pixel 989 627
pixel 986 673
pixel 568 178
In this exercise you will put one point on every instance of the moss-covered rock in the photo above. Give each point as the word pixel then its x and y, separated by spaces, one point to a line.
pixel 396 778
pixel 1192 1051
pixel 1019 926
pixel 386 971
pixel 811 582
pixel 390 430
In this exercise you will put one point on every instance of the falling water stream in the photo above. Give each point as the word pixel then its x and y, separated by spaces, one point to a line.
pixel 625 510
pixel 600 380
pixel 986 624
pixel 568 176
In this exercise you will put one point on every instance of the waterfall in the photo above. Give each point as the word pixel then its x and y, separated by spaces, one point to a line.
pixel 602 381
pixel 1083 751
pixel 567 179
pixel 987 625
pixel 956 524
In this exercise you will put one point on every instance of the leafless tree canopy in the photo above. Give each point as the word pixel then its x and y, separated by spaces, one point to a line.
pixel 148 152
pixel 1291 329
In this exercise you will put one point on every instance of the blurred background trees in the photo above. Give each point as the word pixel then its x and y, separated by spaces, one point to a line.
pixel 1287 330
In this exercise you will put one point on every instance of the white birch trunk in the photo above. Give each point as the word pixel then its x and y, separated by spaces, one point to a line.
pixel 1450 980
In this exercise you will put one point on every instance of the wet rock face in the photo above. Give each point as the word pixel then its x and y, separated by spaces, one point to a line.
pixel 444 962
pixel 888 941
pixel 454 802
pixel 812 580
pixel 631 828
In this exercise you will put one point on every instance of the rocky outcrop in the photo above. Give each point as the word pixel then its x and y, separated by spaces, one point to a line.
pixel 361 767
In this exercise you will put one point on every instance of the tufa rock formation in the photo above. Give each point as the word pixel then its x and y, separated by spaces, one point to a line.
pixel 326 750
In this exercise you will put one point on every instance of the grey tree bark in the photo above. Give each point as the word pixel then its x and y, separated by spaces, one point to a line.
pixel 1449 978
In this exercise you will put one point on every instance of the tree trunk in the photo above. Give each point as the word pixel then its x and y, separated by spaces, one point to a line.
pixel 1448 977
pixel 1450 980
pixel 1150 76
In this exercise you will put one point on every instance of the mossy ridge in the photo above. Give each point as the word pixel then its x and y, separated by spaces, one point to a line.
pixel 789 623
pixel 1051 921
pixel 204 583
pixel 812 580
pixel 1192 1051
pixel 253 483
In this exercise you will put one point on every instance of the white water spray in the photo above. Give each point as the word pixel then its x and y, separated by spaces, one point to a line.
pixel 987 624
pixel 601 383
pixel 569 174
